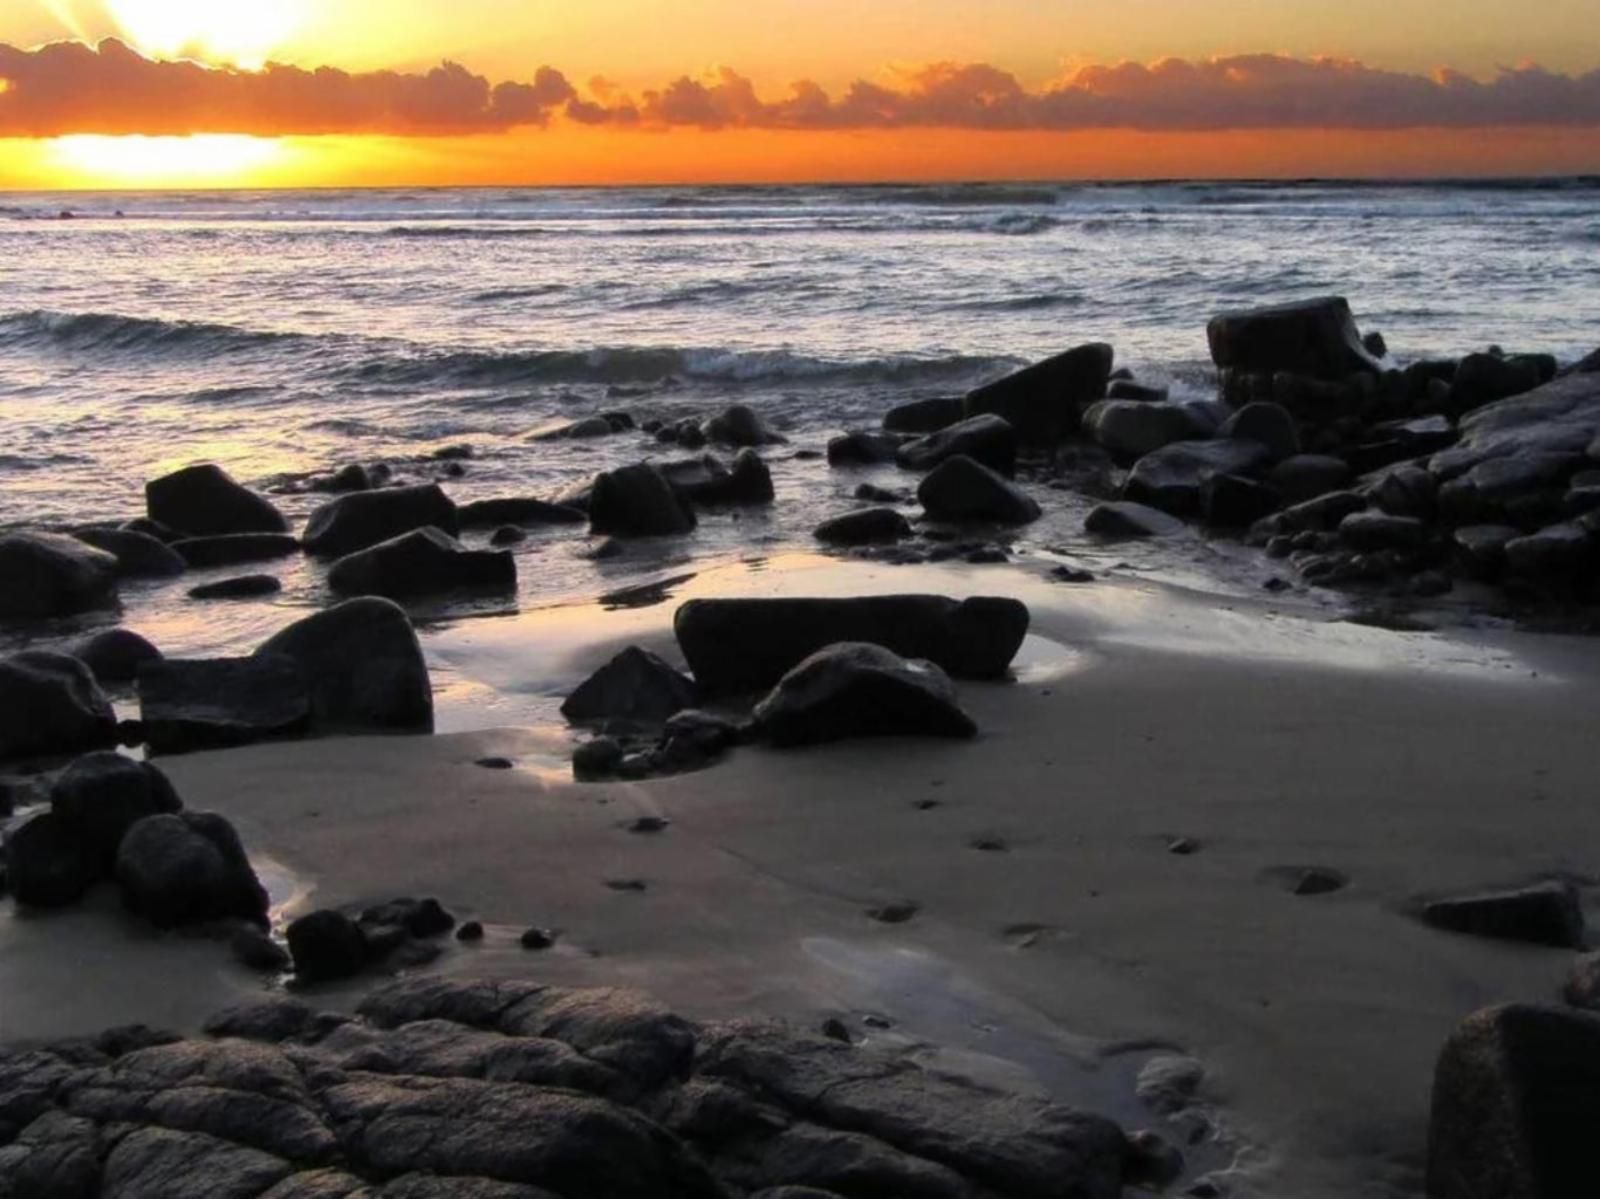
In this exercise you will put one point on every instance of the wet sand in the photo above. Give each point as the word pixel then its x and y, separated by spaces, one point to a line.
pixel 1057 941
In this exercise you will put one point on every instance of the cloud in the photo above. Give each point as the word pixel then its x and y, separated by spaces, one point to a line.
pixel 69 87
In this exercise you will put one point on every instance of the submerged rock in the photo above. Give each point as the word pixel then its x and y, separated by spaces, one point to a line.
pixel 518 510
pixel 863 447
pixel 239 587
pixel 422 562
pixel 45 574
pixel 742 646
pixel 204 501
pixel 638 501
pixel 635 685
pixel 739 425
pixel 1042 402
pixel 853 689
pixel 988 439
pixel 188 868
pixel 866 526
pixel 365 518
pixel 961 489
pixel 51 704
pixel 234 549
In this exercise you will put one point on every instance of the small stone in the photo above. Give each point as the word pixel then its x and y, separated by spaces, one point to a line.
pixel 242 587
pixel 1183 846
pixel 634 885
pixel 470 931
pixel 834 1029
pixel 649 824
pixel 508 535
pixel 495 763
pixel 537 938
pixel 894 913
pixel 1072 574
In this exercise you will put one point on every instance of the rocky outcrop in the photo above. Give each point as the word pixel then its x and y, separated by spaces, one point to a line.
pixel 853 689
pixel 638 501
pixel 635 686
pixel 204 501
pixel 744 646
pixel 962 489
pixel 51 704
pixel 422 562
pixel 448 1089
pixel 365 518
pixel 1044 402
pixel 45 574
pixel 988 439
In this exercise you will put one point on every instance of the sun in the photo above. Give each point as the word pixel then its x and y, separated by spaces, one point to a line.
pixel 242 33
pixel 200 160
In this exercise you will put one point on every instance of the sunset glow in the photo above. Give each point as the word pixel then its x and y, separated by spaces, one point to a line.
pixel 136 161
pixel 242 33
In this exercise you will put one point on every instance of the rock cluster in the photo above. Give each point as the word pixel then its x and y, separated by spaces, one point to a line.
pixel 514 1089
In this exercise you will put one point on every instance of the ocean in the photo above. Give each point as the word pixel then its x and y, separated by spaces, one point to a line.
pixel 281 333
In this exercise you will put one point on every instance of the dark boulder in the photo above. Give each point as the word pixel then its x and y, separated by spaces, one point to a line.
pixel 1266 424
pixel 102 795
pixel 988 439
pixel 154 1161
pixel 216 703
pixel 517 510
pixel 596 758
pixel 363 667
pixel 365 518
pixel 1170 478
pixel 115 655
pixel 1043 402
pixel 854 689
pixel 636 685
pixel 1306 476
pixel 45 574
pixel 963 489
pixel 1316 515
pixel 1404 490
pixel 204 501
pixel 326 945
pixel 138 555
pixel 422 562
pixel 1132 428
pixel 234 549
pixel 1485 378
pixel 705 480
pixel 924 416
pixel 1124 519
pixel 1516 1096
pixel 350 477
pixel 1370 531
pixel 47 864
pixel 638 501
pixel 1481 549
pixel 188 868
pixel 1543 914
pixel 1561 549
pixel 867 526
pixel 1235 502
pixel 1129 389
pixel 51 704
pixel 740 646
pixel 239 587
pixel 863 447
pixel 1317 338
pixel 739 425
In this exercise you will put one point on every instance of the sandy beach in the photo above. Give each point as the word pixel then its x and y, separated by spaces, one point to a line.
pixel 1057 942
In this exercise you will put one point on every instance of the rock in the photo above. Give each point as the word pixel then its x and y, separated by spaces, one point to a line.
pixel 1170 478
pixel 48 864
pixel 988 439
pixel 596 758
pixel 1582 989
pixel 1319 514
pixel 255 950
pixel 520 510
pixel 1041 402
pixel 1234 502
pixel 195 704
pixel 867 526
pixel 422 562
pixel 1265 424
pixel 204 501
pixel 1485 378
pixel 1562 549
pixel 57 1156
pixel 853 689
pixel 350 477
pixel 52 705
pixel 1306 476
pixel 419 917
pixel 102 795
pixel 1371 531
pixel 1168 1085
pixel 863 447
pixel 739 425
pixel 138 555
pixel 363 668
pixel 1124 519
pixel 638 501
pixel 471 931
pixel 234 549
pixel 962 489
pixel 508 535
pixel 1133 428
pixel 326 945
pixel 636 685
pixel 1513 1090
pixel 742 646
pixel 115 655
pixel 706 480
pixel 1152 1161
pixel 1542 914
pixel 153 1161
pixel 1404 490
pixel 365 518
pixel 924 416
pixel 238 587
pixel 188 868
pixel 1127 389
pixel 46 575
pixel 1550 427
pixel 1317 338
pixel 575 430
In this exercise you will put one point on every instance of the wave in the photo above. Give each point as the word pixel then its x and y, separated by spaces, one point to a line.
pixel 518 293
pixel 464 232
pixel 656 365
pixel 1036 303
pixel 89 331
pixel 961 195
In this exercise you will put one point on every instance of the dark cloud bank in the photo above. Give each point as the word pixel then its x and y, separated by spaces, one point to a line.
pixel 69 87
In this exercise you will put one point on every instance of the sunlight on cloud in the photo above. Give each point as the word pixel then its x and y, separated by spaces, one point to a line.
pixel 244 34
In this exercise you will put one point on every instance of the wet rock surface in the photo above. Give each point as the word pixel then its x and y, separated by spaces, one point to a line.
pixel 205 501
pixel 853 689
pixel 513 1089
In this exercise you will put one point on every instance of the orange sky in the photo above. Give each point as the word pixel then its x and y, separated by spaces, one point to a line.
pixel 1028 127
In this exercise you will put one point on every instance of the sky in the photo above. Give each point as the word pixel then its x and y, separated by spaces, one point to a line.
pixel 132 93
